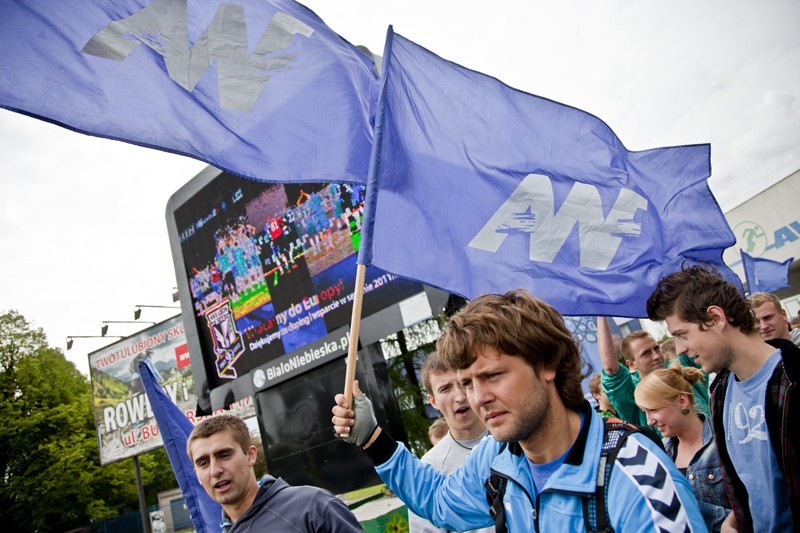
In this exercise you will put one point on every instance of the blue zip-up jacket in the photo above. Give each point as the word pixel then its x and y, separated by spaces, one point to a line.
pixel 646 492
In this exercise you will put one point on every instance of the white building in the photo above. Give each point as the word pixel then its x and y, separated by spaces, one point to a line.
pixel 768 225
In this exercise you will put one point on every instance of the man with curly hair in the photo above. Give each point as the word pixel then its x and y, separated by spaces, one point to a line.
pixel 522 372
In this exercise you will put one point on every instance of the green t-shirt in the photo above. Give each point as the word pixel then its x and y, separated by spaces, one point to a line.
pixel 619 388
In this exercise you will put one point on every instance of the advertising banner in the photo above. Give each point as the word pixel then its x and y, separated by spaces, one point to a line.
pixel 124 419
pixel 767 225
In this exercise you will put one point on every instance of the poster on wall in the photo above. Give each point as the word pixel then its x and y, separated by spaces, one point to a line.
pixel 123 416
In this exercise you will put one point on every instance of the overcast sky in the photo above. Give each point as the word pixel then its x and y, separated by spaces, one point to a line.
pixel 82 224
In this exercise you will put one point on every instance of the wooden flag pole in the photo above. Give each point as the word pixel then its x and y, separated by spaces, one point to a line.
pixel 355 325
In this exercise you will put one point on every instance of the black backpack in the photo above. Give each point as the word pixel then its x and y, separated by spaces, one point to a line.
pixel 615 435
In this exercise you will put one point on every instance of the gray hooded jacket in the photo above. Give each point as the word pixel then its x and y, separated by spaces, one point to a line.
pixel 281 507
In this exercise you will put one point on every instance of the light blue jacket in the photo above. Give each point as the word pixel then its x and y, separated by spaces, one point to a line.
pixel 658 497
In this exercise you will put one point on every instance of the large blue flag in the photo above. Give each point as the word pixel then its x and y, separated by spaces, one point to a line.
pixel 206 514
pixel 260 88
pixel 478 188
pixel 765 275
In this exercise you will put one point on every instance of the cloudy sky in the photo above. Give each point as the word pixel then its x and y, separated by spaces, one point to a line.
pixel 82 224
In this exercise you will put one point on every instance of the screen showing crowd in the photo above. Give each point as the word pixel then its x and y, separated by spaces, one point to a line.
pixel 271 268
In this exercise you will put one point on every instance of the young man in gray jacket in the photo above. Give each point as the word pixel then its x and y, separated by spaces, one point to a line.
pixel 223 459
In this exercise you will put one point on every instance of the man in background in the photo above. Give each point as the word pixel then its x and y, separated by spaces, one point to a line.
pixel 771 320
pixel 437 430
pixel 465 429
pixel 223 458
pixel 604 405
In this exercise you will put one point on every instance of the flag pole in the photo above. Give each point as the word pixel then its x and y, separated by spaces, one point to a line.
pixel 355 326
pixel 365 245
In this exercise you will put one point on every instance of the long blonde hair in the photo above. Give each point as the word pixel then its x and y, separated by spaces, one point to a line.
pixel 660 388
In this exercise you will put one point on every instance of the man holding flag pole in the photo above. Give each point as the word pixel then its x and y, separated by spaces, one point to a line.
pixel 509 189
pixel 523 174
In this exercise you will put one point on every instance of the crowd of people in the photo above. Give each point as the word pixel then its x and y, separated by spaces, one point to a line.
pixel 664 450
pixel 518 447
pixel 245 256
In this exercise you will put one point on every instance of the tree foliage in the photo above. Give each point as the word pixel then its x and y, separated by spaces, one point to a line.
pixel 51 476
pixel 407 351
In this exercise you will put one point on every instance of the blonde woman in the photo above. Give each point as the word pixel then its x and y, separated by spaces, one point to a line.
pixel 667 399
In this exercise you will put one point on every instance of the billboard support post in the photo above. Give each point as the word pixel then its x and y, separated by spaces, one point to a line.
pixel 142 503
pixel 355 324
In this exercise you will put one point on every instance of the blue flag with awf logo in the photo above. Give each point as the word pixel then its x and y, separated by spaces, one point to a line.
pixel 260 88
pixel 479 188
pixel 765 275
pixel 206 514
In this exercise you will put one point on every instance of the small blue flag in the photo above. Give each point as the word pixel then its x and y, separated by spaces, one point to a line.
pixel 479 188
pixel 260 88
pixel 765 275
pixel 206 514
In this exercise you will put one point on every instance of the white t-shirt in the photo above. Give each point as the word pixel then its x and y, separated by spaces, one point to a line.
pixel 446 456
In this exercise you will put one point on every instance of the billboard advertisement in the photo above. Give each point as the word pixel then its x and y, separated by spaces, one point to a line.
pixel 767 226
pixel 125 423
pixel 124 419
pixel 269 268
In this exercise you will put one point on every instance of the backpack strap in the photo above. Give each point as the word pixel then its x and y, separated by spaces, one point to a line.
pixel 615 433
pixel 495 491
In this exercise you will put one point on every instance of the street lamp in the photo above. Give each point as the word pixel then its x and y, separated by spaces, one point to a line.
pixel 137 311
pixel 70 341
pixel 104 327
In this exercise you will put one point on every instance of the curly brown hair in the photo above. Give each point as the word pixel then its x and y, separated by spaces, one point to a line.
pixel 516 323
pixel 692 290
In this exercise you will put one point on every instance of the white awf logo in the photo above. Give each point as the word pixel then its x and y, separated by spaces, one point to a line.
pixel 161 26
pixel 531 209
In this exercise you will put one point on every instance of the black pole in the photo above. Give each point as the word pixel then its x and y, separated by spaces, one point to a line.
pixel 142 503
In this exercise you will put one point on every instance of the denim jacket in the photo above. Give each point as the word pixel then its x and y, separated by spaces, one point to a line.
pixel 705 477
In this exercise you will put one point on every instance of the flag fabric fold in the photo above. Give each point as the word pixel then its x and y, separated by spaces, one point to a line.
pixel 477 188
pixel 260 88
pixel 206 514
pixel 765 275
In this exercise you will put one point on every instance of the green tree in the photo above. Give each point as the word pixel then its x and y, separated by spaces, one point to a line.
pixel 407 351
pixel 51 475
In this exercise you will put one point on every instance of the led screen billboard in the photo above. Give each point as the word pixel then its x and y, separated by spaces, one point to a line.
pixel 266 269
